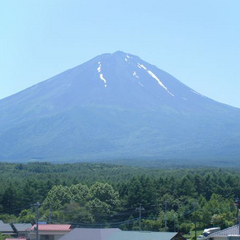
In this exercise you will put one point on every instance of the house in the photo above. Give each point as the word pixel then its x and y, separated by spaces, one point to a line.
pixel 16 238
pixel 21 229
pixel 228 233
pixel 117 234
pixel 90 233
pixel 145 235
pixel 6 229
pixel 49 231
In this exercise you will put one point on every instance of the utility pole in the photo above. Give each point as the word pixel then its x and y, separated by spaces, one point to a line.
pixel 50 213
pixel 236 200
pixel 195 219
pixel 175 222
pixel 165 216
pixel 37 218
pixel 238 222
pixel 140 208
pixel 195 223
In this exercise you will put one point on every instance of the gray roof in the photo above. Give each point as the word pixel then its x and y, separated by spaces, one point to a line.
pixel 89 234
pixel 22 227
pixel 130 235
pixel 5 227
pixel 115 234
pixel 234 230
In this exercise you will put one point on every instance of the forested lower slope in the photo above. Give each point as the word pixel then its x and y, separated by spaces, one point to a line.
pixel 103 195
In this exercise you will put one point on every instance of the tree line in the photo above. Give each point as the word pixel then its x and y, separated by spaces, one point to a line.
pixel 104 195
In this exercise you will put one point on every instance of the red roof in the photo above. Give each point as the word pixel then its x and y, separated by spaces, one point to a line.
pixel 52 227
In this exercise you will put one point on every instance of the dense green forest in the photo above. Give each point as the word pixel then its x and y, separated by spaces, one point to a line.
pixel 107 195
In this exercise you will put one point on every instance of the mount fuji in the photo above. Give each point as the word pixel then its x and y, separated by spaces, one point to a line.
pixel 116 106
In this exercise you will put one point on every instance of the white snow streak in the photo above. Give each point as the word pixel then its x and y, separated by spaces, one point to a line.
pixel 184 98
pixel 170 93
pixel 140 84
pixel 103 79
pixel 142 66
pixel 127 56
pixel 197 93
pixel 126 59
pixel 153 76
pixel 101 75
pixel 99 67
pixel 159 82
pixel 135 74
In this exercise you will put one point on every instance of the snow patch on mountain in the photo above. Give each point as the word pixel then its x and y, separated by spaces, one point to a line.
pixel 126 59
pixel 103 79
pixel 154 76
pixel 142 66
pixel 159 82
pixel 140 84
pixel 197 93
pixel 99 67
pixel 101 75
pixel 135 74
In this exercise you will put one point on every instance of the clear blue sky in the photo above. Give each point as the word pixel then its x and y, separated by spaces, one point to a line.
pixel 197 41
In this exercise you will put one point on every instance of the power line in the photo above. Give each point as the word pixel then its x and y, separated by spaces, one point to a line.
pixel 165 216
pixel 195 218
pixel 15 209
pixel 140 208
pixel 104 224
pixel 37 217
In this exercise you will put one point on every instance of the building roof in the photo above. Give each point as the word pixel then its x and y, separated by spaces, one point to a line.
pixel 5 227
pixel 115 234
pixel 90 233
pixel 16 239
pixel 52 227
pixel 126 235
pixel 234 230
pixel 22 227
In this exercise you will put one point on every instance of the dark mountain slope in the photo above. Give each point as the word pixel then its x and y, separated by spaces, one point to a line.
pixel 115 106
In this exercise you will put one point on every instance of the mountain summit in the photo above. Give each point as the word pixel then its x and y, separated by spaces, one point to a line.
pixel 115 106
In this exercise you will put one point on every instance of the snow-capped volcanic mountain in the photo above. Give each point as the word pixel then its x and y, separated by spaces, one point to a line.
pixel 115 106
